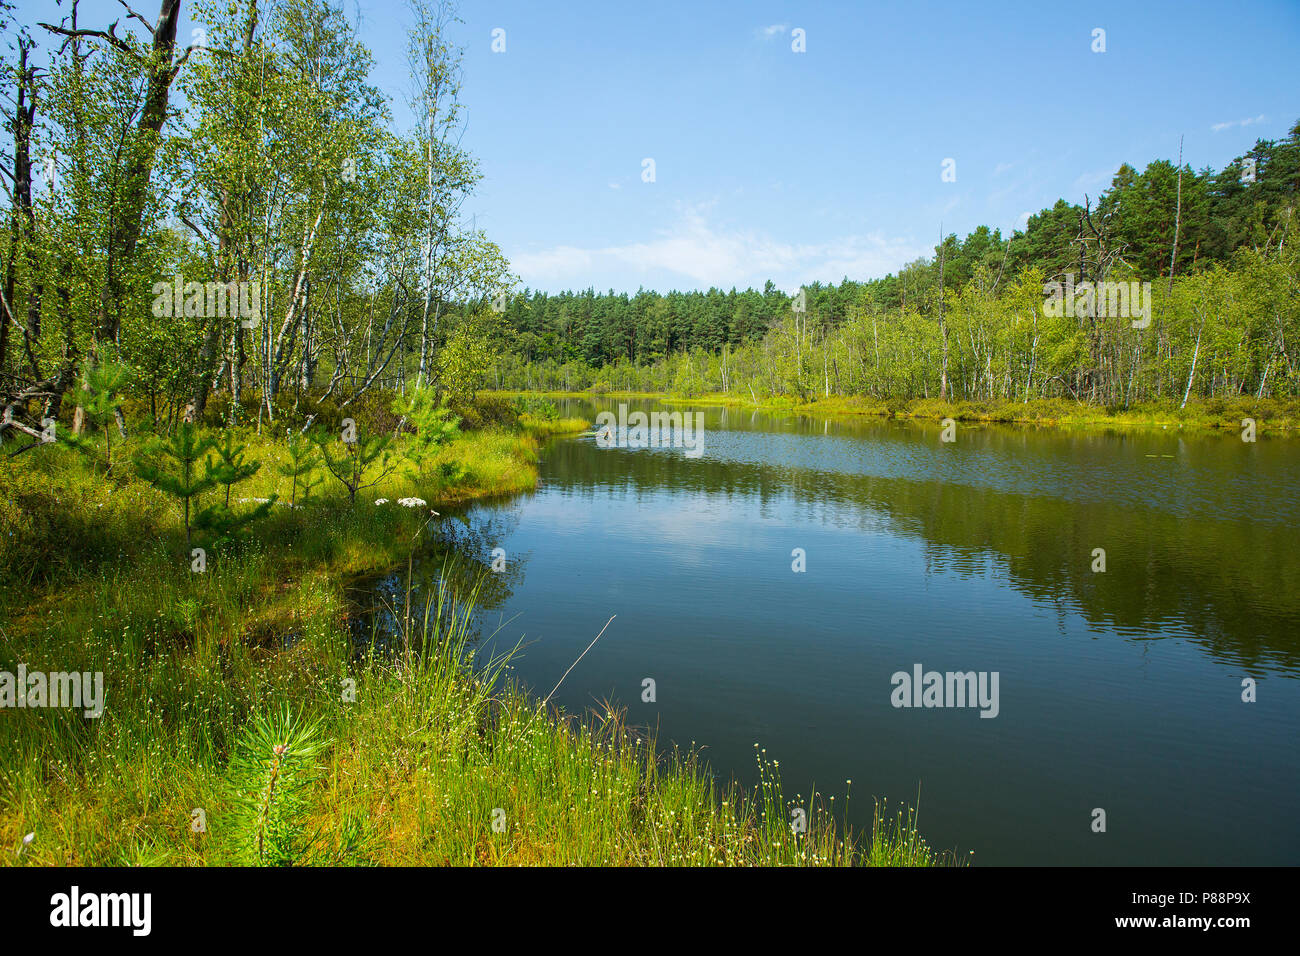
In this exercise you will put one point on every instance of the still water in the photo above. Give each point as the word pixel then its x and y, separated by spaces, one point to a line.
pixel 1118 689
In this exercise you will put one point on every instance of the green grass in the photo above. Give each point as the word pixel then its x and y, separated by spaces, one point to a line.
pixel 1272 416
pixel 414 767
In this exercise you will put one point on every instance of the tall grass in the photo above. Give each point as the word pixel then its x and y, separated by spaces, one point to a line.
pixel 422 756
pixel 481 773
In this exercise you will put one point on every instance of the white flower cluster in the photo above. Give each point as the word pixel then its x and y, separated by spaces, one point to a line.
pixel 406 502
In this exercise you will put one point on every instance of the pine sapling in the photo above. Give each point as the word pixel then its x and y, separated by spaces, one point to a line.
pixel 270 778
pixel 230 469
pixel 362 464
pixel 180 477
pixel 302 459
pixel 104 382
pixel 434 422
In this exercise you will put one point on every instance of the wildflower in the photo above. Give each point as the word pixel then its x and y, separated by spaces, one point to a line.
pixel 381 501
pixel 412 502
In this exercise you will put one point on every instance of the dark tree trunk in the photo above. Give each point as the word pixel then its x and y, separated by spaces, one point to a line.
pixel 124 233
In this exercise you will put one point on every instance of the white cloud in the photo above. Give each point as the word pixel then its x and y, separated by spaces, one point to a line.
pixel 696 249
pixel 776 29
pixel 561 260
pixel 1220 127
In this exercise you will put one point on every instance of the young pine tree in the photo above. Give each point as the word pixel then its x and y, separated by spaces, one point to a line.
pixel 434 423
pixel 364 463
pixel 310 482
pixel 104 381
pixel 230 469
pixel 302 459
pixel 171 466
pixel 270 778
pixel 224 522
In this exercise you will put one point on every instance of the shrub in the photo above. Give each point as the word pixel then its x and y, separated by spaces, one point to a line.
pixel 484 411
pixel 434 423
pixel 537 407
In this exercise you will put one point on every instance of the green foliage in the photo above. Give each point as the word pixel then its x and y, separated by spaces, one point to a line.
pixel 229 468
pixel 485 411
pixel 466 356
pixel 1221 331
pixel 224 523
pixel 364 461
pixel 687 380
pixel 270 778
pixel 105 381
pixel 451 473
pixel 310 482
pixel 170 465
pixel 303 459
pixel 537 406
pixel 434 422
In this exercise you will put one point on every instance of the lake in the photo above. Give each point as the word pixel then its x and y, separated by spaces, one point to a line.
pixel 1119 690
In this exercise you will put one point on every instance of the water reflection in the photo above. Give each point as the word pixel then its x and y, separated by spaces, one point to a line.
pixel 1119 689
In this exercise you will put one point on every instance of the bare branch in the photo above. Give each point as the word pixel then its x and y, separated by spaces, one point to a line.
pixel 135 16
pixel 108 35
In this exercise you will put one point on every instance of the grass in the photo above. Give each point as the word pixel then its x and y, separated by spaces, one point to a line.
pixel 425 757
pixel 1272 416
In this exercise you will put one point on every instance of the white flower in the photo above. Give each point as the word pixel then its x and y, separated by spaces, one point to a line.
pixel 381 501
pixel 412 502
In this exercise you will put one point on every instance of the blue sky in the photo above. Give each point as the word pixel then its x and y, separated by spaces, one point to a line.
pixel 810 166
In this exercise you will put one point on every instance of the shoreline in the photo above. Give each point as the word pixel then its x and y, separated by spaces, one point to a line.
pixel 1273 417
pixel 425 757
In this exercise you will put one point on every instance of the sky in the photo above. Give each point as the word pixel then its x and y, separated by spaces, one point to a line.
pixel 799 166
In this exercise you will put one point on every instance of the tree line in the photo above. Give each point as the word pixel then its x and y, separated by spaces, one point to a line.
pixel 973 320
pixel 233 217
